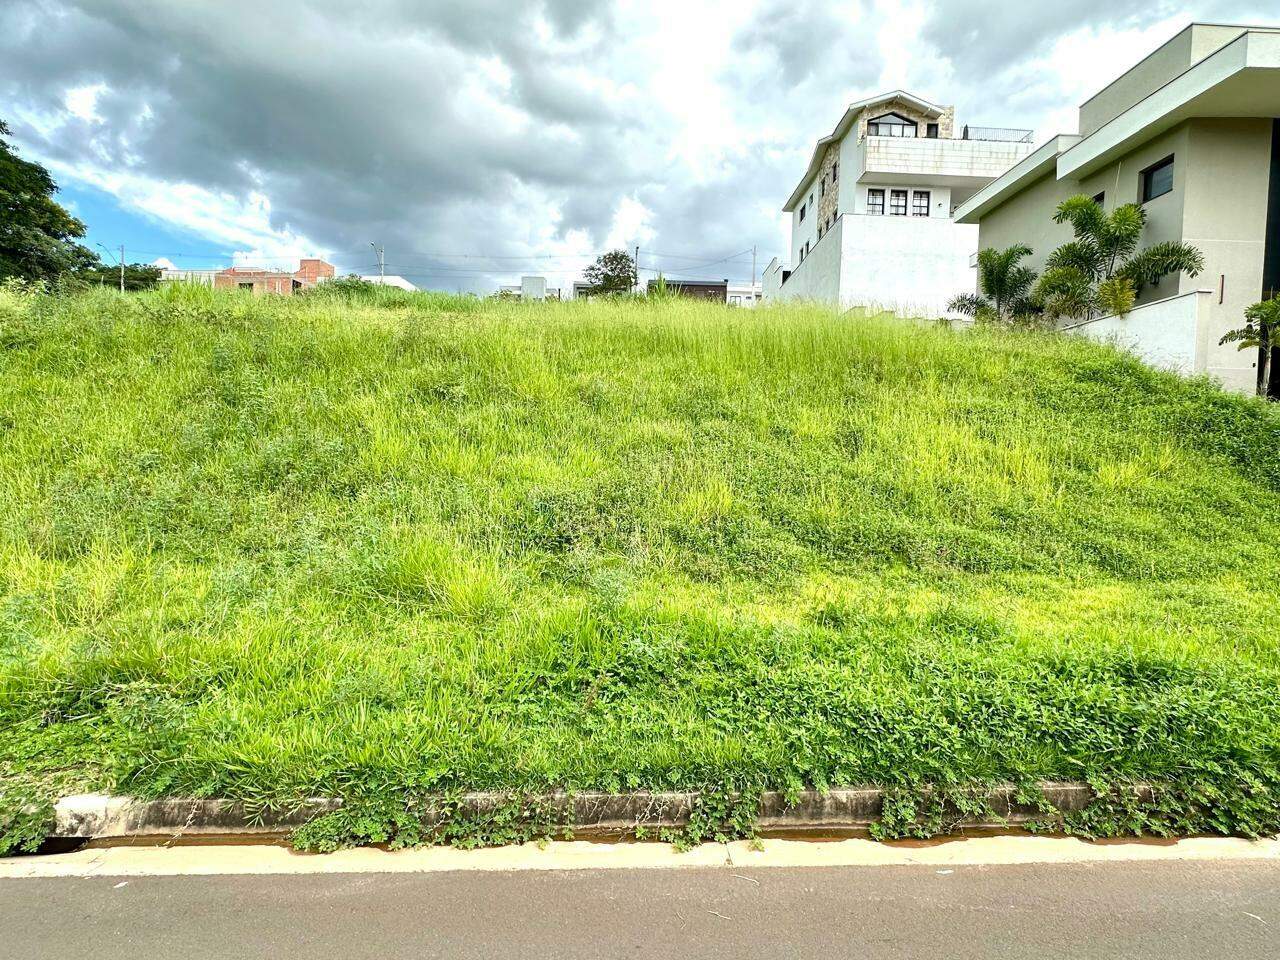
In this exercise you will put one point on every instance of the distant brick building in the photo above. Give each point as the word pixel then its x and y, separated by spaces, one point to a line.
pixel 309 273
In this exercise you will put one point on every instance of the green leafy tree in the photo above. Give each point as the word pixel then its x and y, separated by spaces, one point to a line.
pixel 1261 331
pixel 1004 288
pixel 1102 270
pixel 37 236
pixel 137 276
pixel 613 272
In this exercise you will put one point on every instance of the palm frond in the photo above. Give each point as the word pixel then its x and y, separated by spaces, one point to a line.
pixel 968 304
pixel 1162 259
pixel 1065 292
pixel 1249 337
pixel 1121 232
pixel 1266 313
pixel 1001 279
pixel 1085 215
pixel 1116 296
pixel 1081 255
pixel 1019 284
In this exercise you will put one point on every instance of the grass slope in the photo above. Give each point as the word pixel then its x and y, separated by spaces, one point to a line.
pixel 267 549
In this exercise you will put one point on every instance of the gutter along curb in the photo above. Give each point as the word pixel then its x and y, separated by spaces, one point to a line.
pixel 103 817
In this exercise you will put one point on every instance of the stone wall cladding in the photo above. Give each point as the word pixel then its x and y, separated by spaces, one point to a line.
pixel 946 122
pixel 829 205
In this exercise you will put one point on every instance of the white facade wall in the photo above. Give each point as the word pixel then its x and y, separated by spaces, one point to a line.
pixel 743 294
pixel 805 231
pixel 771 281
pixel 853 164
pixel 939 198
pixel 533 288
pixel 912 266
pixel 818 278
pixel 203 277
pixel 390 280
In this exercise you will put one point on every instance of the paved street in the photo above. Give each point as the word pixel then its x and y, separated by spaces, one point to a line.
pixel 1226 910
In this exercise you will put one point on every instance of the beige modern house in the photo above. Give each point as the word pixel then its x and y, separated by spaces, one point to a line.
pixel 1191 133
pixel 871 221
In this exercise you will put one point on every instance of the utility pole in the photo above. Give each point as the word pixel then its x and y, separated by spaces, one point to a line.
pixel 382 263
pixel 753 274
pixel 121 262
pixel 637 268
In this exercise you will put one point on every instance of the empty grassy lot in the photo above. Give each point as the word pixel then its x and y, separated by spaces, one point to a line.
pixel 276 548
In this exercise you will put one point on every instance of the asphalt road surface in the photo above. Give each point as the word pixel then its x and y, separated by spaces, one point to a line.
pixel 1224 910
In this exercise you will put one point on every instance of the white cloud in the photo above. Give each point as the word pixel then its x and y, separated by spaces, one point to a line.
pixel 82 102
pixel 465 136
pixel 226 220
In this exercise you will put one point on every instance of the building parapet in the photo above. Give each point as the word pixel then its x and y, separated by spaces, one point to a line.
pixel 963 161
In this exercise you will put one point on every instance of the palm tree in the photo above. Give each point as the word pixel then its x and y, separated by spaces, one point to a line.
pixel 1005 287
pixel 1261 331
pixel 1102 270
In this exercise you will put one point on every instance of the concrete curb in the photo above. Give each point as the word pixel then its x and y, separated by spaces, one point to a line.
pixel 103 817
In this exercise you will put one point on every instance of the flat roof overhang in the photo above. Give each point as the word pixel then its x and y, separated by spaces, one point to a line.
pixel 923 179
pixel 1240 80
pixel 1039 164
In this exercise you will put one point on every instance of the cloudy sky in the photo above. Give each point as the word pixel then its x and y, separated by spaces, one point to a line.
pixel 480 139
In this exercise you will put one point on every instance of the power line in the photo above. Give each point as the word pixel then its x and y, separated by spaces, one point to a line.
pixel 428 255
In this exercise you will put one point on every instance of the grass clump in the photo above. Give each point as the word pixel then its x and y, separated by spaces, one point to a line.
pixel 395 547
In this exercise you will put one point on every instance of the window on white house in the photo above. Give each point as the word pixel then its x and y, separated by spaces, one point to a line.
pixel 931 131
pixel 892 125
pixel 802 213
pixel 1157 180
pixel 920 203
pixel 897 203
pixel 875 202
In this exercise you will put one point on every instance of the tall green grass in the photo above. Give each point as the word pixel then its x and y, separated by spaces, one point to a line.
pixel 276 548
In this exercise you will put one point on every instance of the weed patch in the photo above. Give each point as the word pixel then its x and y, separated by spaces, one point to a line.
pixel 392 548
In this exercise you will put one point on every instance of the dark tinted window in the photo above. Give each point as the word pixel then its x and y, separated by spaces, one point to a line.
pixel 1157 180
pixel 891 125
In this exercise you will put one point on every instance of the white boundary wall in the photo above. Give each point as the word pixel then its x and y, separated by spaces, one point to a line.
pixel 1170 334
pixel 912 266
